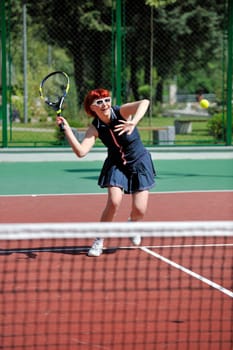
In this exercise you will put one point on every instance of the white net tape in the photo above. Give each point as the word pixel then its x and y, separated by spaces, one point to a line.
pixel 116 229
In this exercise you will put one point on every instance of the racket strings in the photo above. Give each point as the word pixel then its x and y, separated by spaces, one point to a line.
pixel 54 88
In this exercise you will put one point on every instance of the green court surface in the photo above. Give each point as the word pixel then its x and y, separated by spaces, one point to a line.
pixel 27 178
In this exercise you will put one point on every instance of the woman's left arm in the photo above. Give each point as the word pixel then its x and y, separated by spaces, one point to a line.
pixel 132 113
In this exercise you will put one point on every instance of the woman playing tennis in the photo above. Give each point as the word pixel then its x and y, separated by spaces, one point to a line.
pixel 128 167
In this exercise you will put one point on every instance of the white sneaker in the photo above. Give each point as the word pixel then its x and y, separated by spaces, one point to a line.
pixel 136 240
pixel 97 248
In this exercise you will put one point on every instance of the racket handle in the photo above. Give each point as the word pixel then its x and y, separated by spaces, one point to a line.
pixel 61 126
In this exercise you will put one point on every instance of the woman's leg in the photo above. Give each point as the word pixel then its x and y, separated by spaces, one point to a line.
pixel 114 200
pixel 139 205
pixel 115 195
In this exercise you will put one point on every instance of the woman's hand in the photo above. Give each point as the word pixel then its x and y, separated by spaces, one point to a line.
pixel 125 126
pixel 62 122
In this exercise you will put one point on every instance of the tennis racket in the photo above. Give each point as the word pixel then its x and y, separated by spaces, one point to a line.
pixel 53 90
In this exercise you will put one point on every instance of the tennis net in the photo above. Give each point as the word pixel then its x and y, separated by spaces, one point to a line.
pixel 174 291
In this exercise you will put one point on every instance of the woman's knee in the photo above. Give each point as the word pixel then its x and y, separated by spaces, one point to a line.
pixel 114 203
pixel 139 205
pixel 114 198
pixel 137 213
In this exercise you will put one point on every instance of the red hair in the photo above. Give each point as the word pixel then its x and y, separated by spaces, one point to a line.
pixel 91 96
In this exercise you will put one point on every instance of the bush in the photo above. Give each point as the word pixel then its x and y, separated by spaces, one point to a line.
pixel 217 127
pixel 144 91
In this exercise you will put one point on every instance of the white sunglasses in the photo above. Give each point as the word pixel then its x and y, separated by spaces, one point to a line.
pixel 100 101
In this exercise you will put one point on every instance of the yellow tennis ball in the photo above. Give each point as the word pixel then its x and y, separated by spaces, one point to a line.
pixel 204 103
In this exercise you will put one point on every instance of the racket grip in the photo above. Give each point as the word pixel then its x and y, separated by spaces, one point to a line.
pixel 61 126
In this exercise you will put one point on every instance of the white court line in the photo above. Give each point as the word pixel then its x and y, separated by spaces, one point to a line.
pixel 179 246
pixel 105 193
pixel 189 272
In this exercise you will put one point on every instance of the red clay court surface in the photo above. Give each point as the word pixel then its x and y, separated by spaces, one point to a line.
pixel 126 298
pixel 189 206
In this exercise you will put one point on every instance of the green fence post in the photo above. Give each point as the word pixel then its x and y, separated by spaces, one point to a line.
pixel 113 50
pixel 119 52
pixel 4 77
pixel 229 75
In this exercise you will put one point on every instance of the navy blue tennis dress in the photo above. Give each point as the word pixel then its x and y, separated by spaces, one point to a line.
pixel 128 164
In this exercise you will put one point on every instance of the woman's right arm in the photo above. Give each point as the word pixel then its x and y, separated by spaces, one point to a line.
pixel 80 149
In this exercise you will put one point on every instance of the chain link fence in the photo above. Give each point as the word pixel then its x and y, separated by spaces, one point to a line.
pixel 172 52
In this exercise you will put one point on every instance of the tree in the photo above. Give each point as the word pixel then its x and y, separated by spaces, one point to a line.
pixel 79 28
pixel 187 35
